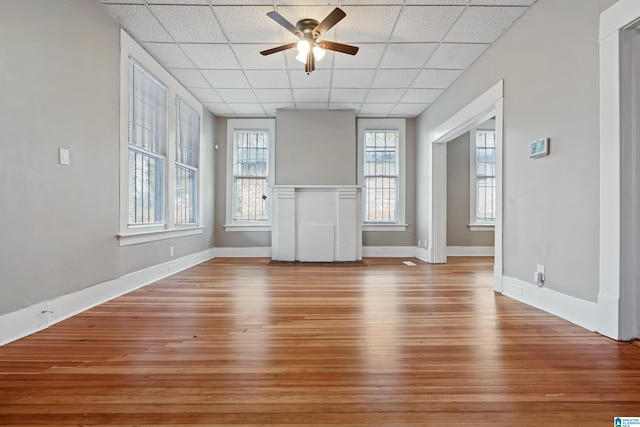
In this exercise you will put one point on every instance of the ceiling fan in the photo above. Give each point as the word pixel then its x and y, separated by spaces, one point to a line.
pixel 308 31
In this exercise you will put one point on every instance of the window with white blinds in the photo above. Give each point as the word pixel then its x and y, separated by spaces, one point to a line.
pixel 250 174
pixel 186 164
pixel 147 136
pixel 381 176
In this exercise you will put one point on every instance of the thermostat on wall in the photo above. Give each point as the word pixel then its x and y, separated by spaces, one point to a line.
pixel 539 148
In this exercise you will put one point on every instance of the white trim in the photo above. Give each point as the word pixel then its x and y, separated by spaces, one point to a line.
pixel 482 227
pixel 384 227
pixel 255 252
pixel 619 16
pixel 470 250
pixel 378 125
pixel 578 311
pixel 149 236
pixel 423 254
pixel 389 251
pixel 37 317
pixel 233 125
pixel 129 48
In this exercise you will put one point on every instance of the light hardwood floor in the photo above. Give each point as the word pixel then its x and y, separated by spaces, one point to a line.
pixel 239 343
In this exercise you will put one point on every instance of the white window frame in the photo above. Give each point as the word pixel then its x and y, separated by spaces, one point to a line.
pixel 131 235
pixel 237 125
pixel 399 125
pixel 474 224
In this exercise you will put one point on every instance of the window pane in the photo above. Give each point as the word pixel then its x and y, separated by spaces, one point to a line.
pixel 186 195
pixel 187 146
pixel 381 176
pixel 485 176
pixel 146 188
pixel 187 135
pixel 250 199
pixel 250 169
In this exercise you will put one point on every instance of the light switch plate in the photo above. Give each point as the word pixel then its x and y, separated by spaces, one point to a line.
pixel 64 156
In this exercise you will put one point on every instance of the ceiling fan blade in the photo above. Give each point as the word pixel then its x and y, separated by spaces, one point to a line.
pixel 278 49
pixel 339 47
pixel 332 19
pixel 286 24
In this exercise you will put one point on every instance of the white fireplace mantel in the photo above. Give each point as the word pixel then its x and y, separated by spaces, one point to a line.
pixel 316 223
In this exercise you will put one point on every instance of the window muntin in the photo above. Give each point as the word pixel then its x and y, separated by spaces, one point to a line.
pixel 485 177
pixel 147 138
pixel 250 176
pixel 381 176
pixel 186 163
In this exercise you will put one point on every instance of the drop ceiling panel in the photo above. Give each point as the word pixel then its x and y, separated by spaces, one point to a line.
pixel 456 56
pixel 425 23
pixel 190 24
pixel 410 51
pixel 226 79
pixel 169 55
pixel 139 22
pixel 483 24
pixel 407 55
pixel 212 56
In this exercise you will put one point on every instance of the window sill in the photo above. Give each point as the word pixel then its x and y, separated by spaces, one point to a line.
pixel 481 227
pixel 384 227
pixel 247 227
pixel 137 237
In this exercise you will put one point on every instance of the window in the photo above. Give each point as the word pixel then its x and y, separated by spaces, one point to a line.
pixel 381 160
pixel 160 143
pixel 187 144
pixel 483 178
pixel 249 165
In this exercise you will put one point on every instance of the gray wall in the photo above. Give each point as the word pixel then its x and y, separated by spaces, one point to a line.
pixel 60 85
pixel 549 63
pixel 316 147
pixel 459 196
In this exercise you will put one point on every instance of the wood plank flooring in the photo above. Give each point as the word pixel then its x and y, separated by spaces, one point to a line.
pixel 236 342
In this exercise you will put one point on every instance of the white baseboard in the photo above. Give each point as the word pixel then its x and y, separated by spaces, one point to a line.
pixel 470 250
pixel 18 324
pixel 255 252
pixel 608 317
pixel 423 254
pixel 582 313
pixel 389 251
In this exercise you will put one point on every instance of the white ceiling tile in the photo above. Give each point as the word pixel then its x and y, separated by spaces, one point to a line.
pixel 123 1
pixel 368 2
pixel 348 95
pixel 437 2
pixel 436 79
pixel 367 24
pixel 421 96
pixel 425 23
pixel 205 95
pixel 483 24
pixel 503 2
pixel 394 78
pixel 317 79
pixel 311 95
pixel 268 78
pixel 456 56
pixel 385 95
pixel 345 106
pixel 307 2
pixel 190 24
pixel 247 109
pixel 189 78
pixel 311 105
pixel 294 64
pixel 352 78
pixel 248 24
pixel 244 2
pixel 227 79
pixel 168 54
pixel 250 59
pixel 309 11
pixel 213 56
pixel 376 110
pixel 368 56
pixel 139 22
pixel 271 108
pixel 407 55
pixel 242 96
pixel 187 2
pixel 274 95
pixel 408 110
pixel 219 108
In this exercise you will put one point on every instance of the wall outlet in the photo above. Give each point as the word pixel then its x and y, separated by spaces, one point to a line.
pixel 63 154
pixel 538 276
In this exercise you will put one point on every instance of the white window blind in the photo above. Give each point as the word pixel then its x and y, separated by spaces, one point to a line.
pixel 147 135
pixel 381 176
pixel 485 188
pixel 250 173
pixel 187 146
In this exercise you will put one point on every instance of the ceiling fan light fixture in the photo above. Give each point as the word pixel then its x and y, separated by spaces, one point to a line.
pixel 318 52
